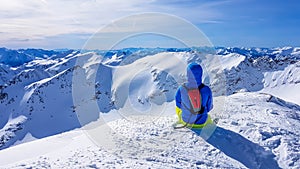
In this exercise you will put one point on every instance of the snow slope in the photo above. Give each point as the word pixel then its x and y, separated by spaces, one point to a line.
pixel 133 91
pixel 240 141
pixel 284 83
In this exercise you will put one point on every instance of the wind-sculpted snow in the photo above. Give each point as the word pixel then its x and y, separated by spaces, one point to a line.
pixel 37 99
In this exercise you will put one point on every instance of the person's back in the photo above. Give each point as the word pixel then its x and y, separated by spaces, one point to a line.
pixel 183 104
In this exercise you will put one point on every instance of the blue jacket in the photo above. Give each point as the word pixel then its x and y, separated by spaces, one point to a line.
pixel 194 79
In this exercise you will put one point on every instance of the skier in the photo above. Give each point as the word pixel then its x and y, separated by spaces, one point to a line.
pixel 193 100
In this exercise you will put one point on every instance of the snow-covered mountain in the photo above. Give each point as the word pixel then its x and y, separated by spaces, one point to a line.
pixel 44 93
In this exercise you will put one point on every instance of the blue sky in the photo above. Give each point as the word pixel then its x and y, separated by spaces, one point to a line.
pixel 70 23
pixel 257 23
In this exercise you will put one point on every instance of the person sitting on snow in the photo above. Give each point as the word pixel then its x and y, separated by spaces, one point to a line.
pixel 193 100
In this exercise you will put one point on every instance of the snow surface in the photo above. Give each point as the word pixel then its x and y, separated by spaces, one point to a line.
pixel 258 140
pixel 231 60
pixel 42 112
pixel 284 83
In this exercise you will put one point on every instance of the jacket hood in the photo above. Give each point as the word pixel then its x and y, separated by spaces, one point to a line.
pixel 194 74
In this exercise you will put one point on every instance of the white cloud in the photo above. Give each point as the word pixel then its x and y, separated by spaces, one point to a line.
pixel 35 20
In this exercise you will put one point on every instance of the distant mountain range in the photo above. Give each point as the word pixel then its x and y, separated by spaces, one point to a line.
pixel 18 57
pixel 36 94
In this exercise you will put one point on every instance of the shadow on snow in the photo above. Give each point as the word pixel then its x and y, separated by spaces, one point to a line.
pixel 234 145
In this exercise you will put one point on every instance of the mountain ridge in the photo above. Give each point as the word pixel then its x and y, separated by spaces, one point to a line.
pixel 42 90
